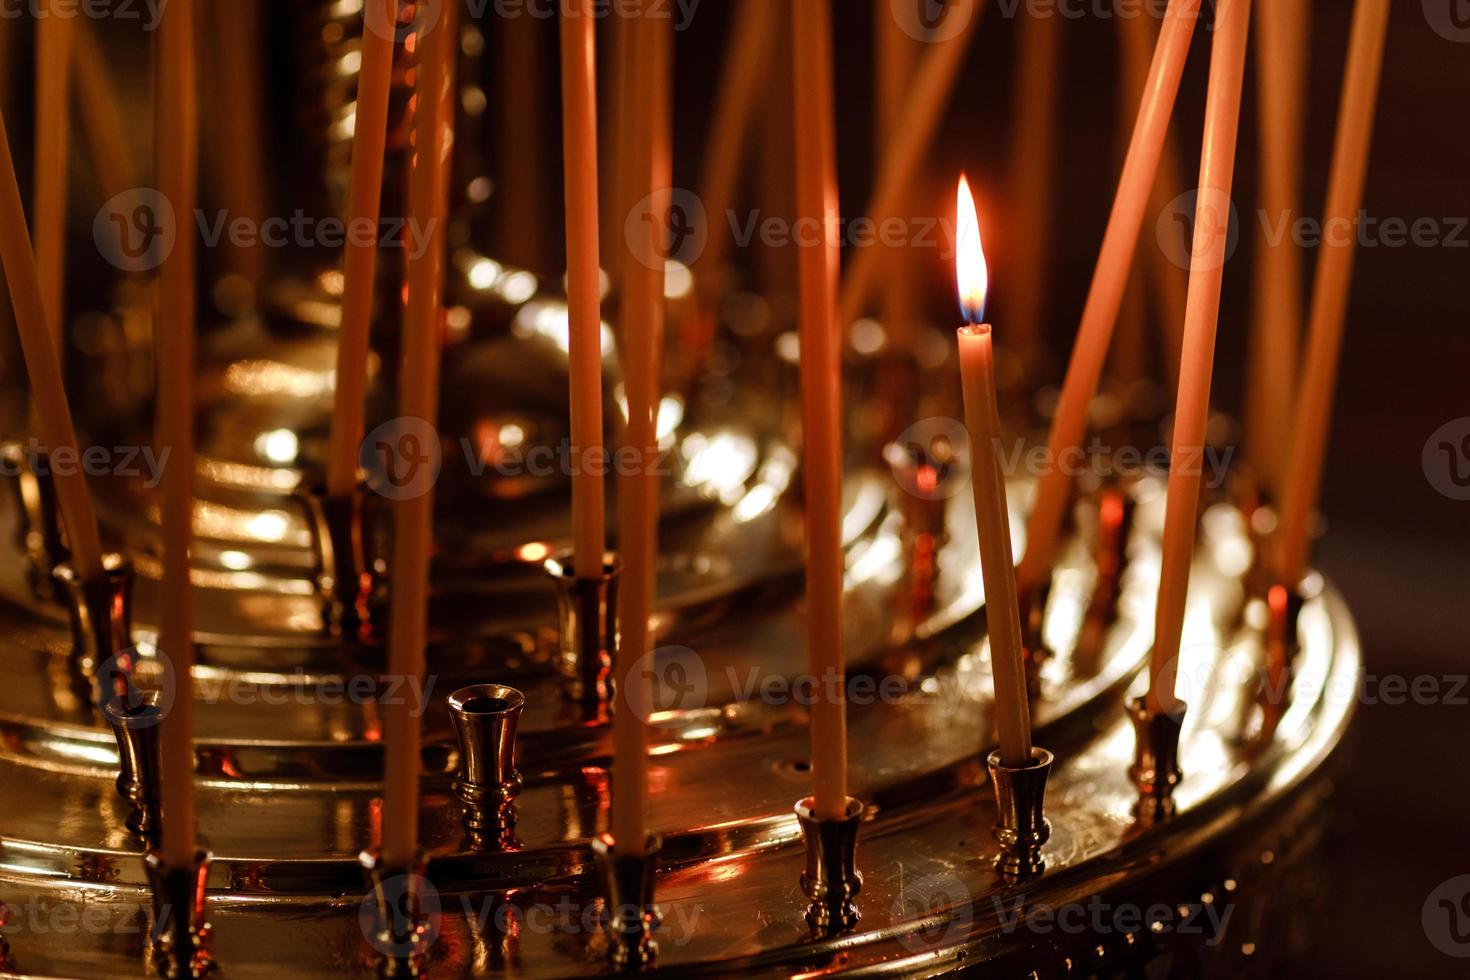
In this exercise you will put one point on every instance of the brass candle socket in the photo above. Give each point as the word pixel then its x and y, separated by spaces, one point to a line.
pixel 587 628
pixel 134 722
pixel 6 963
pixel 1282 645
pixel 1034 651
pixel 101 613
pixel 831 879
pixel 38 527
pixel 348 580
pixel 180 933
pixel 628 882
pixel 1155 770
pixel 399 916
pixel 485 719
pixel 1021 826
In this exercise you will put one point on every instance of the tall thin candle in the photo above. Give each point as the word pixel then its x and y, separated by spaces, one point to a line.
pixel 821 397
pixel 987 479
pixel 419 398
pixel 1031 180
pixel 1109 281
pixel 1191 413
pixel 55 41
pixel 360 253
pixel 1334 277
pixel 584 304
pixel 649 175
pixel 178 179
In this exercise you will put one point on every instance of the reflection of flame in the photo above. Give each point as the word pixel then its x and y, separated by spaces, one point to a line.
pixel 970 271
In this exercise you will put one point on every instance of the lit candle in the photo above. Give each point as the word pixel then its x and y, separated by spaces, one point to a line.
pixel 584 304
pixel 178 180
pixel 413 536
pixel 359 259
pixel 1330 290
pixel 992 517
pixel 1276 319
pixel 55 37
pixel 1109 282
pixel 821 396
pixel 649 176
pixel 1191 413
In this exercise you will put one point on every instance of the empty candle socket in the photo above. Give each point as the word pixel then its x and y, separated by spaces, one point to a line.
pixel 38 525
pixel 101 613
pixel 180 931
pixel 1021 826
pixel 587 628
pixel 348 580
pixel 628 882
pixel 403 925
pixel 831 880
pixel 1155 770
pixel 485 719
pixel 134 721
pixel 1034 651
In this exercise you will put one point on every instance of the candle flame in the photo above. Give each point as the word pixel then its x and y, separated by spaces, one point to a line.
pixel 971 272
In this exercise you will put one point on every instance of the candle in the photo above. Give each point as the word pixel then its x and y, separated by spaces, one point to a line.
pixel 55 34
pixel 521 191
pixel 584 309
pixel 1192 410
pixel 1330 290
pixel 178 178
pixel 897 51
pixel 52 415
pixel 928 93
pixel 1276 317
pixel 101 117
pixel 987 479
pixel 1105 297
pixel 360 253
pixel 1031 173
pixel 821 396
pixel 648 177
pixel 419 398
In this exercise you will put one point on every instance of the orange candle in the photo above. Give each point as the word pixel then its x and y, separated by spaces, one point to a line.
pixel 821 397
pixel 648 177
pixel 1109 282
pixel 1191 413
pixel 1330 290
pixel 178 180
pixel 584 303
pixel 1031 174
pixel 987 480
pixel 928 93
pixel 897 51
pixel 101 118
pixel 360 254
pixel 52 415
pixel 1276 320
pixel 413 537
pixel 55 37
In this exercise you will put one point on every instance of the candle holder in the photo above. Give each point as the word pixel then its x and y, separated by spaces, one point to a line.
pixel 1021 826
pixel 134 722
pixel 587 628
pixel 831 879
pixel 179 939
pixel 38 527
pixel 485 719
pixel 348 579
pixel 1117 508
pixel 1034 651
pixel 101 613
pixel 1155 770
pixel 6 963
pixel 1282 645
pixel 397 920
pixel 628 882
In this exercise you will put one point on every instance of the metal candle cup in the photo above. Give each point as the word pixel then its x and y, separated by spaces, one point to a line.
pixel 628 882
pixel 1021 826
pixel 485 719
pixel 831 879
pixel 587 621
